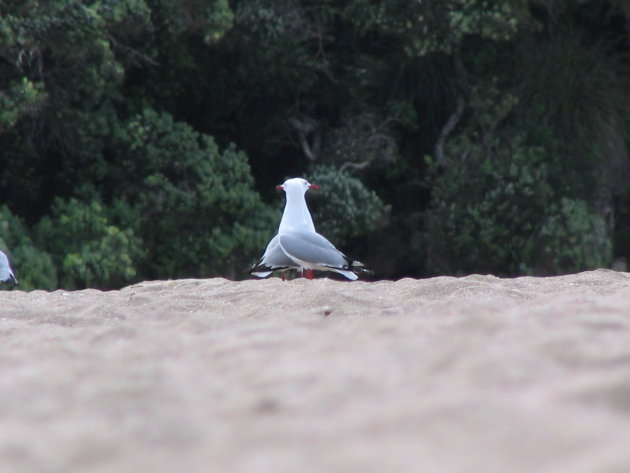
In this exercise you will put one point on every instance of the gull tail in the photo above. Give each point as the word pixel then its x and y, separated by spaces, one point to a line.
pixel 351 269
pixel 359 267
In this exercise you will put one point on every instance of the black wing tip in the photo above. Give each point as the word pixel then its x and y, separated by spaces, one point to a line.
pixel 264 268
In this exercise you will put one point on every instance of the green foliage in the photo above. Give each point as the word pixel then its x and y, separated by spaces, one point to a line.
pixel 122 114
pixel 500 205
pixel 193 207
pixel 426 26
pixel 344 208
pixel 364 139
pixel 20 98
pixel 88 250
pixel 209 19
pixel 33 267
pixel 486 209
pixel 580 89
pixel 67 49
pixel 572 239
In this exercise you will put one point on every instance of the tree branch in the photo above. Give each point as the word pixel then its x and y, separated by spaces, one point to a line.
pixel 357 166
pixel 134 54
pixel 451 123
pixel 305 128
pixel 456 116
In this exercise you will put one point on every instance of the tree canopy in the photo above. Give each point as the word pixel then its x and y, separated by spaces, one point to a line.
pixel 143 138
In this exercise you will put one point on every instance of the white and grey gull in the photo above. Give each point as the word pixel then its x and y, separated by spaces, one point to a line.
pixel 6 273
pixel 297 245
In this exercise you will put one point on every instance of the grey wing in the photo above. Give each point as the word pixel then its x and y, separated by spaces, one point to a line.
pixel 274 255
pixel 6 274
pixel 310 247
pixel 273 259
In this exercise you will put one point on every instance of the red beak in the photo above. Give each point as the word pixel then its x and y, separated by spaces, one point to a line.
pixel 279 187
pixel 315 187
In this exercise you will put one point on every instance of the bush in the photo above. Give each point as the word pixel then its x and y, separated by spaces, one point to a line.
pixel 571 239
pixel 193 207
pixel 499 210
pixel 87 249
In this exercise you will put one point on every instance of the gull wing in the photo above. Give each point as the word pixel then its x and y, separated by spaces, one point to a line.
pixel 6 273
pixel 313 251
pixel 274 259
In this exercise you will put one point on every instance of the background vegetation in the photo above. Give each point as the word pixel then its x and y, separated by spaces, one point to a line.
pixel 143 138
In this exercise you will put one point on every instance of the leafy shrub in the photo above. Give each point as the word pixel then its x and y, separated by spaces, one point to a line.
pixel 485 210
pixel 193 207
pixel 86 248
pixel 571 239
pixel 498 210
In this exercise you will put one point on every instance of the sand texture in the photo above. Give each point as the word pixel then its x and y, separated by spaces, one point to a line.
pixel 461 375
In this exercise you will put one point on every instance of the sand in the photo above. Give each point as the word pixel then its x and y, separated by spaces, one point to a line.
pixel 473 374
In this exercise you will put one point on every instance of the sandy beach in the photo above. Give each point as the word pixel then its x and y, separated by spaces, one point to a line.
pixel 454 375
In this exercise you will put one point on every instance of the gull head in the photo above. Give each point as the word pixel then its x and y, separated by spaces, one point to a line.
pixel 296 186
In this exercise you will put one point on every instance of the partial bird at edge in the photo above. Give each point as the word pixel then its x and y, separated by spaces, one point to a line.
pixel 6 273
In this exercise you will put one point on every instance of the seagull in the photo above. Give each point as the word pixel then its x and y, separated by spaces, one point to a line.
pixel 6 273
pixel 297 245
